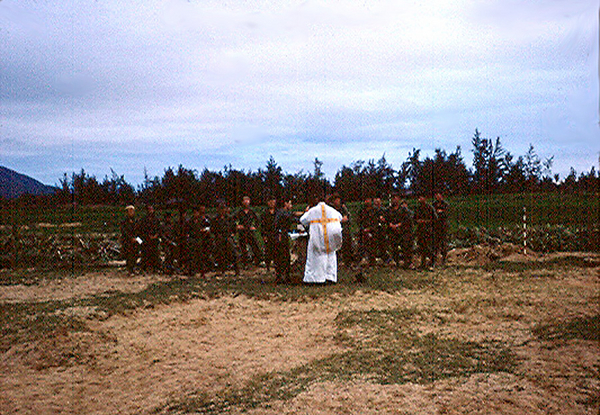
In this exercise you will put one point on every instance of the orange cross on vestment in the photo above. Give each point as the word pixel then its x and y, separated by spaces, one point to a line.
pixel 324 221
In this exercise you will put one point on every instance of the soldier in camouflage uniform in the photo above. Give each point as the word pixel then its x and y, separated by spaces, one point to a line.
pixel 368 221
pixel 441 227
pixel 199 241
pixel 129 244
pixel 169 237
pixel 425 217
pixel 268 230
pixel 284 222
pixel 149 231
pixel 380 231
pixel 247 221
pixel 223 229
pixel 400 231
pixel 347 251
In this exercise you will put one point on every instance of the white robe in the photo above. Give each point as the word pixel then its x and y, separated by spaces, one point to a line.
pixel 325 238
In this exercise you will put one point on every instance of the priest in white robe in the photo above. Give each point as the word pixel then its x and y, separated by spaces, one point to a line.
pixel 325 238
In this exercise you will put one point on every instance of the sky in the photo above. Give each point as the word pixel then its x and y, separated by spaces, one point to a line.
pixel 139 86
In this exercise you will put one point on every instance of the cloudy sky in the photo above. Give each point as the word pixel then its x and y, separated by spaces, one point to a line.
pixel 149 84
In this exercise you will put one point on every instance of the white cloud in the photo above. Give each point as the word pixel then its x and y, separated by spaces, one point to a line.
pixel 378 76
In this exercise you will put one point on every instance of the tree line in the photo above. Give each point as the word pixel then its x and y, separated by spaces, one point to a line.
pixel 494 170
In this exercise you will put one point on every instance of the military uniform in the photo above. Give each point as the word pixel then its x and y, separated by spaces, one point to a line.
pixel 247 219
pixel 347 250
pixel 129 245
pixel 223 228
pixel 283 223
pixel 368 221
pixel 441 228
pixel 401 236
pixel 425 217
pixel 149 231
pixel 268 232
pixel 169 237
pixel 380 234
pixel 199 242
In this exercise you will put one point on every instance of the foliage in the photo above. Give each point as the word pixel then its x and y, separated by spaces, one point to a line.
pixel 494 170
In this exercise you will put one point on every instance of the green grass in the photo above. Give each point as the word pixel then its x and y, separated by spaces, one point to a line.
pixel 390 354
pixel 583 328
pixel 564 262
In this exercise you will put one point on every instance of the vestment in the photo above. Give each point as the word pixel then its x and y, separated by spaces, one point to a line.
pixel 325 238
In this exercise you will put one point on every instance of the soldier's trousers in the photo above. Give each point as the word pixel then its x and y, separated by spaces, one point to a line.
pixel 246 238
pixel 130 254
pixel 150 255
pixel 200 256
pixel 401 247
pixel 368 247
pixel 283 259
pixel 226 254
pixel 426 245
pixel 270 251
pixel 347 250
pixel 441 240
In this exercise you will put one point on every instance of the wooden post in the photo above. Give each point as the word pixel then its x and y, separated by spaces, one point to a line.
pixel 524 230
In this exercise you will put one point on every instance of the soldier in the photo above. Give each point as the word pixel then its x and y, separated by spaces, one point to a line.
pixel 425 217
pixel 223 230
pixel 169 237
pixel 268 231
pixel 184 257
pixel 441 227
pixel 149 230
pixel 246 226
pixel 400 231
pixel 283 223
pixel 129 244
pixel 199 241
pixel 368 221
pixel 347 252
pixel 380 230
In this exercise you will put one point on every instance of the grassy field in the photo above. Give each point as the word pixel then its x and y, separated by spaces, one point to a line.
pixel 506 337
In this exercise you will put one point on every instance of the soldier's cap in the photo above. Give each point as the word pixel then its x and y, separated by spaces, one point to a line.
pixel 130 207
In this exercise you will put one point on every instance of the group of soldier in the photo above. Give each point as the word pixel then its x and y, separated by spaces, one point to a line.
pixel 389 234
pixel 199 243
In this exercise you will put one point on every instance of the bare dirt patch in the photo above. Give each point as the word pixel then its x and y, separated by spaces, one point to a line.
pixel 485 254
pixel 166 358
pixel 153 355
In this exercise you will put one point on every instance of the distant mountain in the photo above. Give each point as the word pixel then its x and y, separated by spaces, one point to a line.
pixel 13 184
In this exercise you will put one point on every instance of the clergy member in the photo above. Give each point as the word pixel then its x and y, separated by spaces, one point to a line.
pixel 325 238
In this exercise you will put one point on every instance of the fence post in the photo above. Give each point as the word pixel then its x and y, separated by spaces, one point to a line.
pixel 524 230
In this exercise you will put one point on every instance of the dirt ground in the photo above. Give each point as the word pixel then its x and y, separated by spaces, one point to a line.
pixel 139 361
